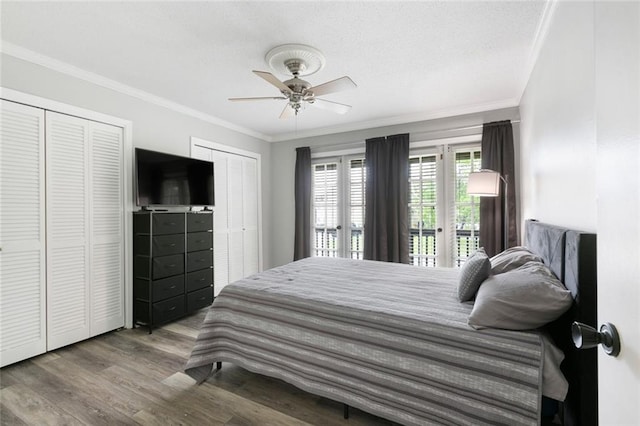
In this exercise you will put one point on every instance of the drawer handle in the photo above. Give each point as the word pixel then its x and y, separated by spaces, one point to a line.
pixel 170 223
pixel 173 308
pixel 203 298
pixel 200 241
pixel 172 287
pixel 201 279
pixel 173 265
pixel 172 245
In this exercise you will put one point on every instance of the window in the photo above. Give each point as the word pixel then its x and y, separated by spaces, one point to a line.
pixel 443 219
pixel 338 207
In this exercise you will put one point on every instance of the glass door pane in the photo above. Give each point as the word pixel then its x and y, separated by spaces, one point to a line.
pixel 325 209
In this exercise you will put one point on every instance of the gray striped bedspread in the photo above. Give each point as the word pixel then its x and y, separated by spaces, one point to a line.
pixel 389 339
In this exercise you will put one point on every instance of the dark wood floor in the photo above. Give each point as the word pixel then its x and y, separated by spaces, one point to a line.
pixel 131 377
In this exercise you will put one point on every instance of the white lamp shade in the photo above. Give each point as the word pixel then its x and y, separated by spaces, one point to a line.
pixel 484 183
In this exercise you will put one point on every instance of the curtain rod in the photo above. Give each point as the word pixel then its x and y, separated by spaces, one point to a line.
pixel 358 143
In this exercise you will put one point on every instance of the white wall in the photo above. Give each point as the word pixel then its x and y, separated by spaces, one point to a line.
pixel 558 142
pixel 283 163
pixel 580 146
pixel 154 127
pixel 617 52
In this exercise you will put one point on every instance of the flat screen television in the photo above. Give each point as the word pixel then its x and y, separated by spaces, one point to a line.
pixel 171 180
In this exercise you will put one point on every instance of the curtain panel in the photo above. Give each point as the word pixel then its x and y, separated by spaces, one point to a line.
pixel 386 226
pixel 302 193
pixel 498 155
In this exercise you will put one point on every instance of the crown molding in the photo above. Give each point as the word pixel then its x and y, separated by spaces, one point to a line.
pixel 538 41
pixel 399 120
pixel 71 70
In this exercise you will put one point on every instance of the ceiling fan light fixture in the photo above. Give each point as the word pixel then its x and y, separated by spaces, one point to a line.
pixel 295 58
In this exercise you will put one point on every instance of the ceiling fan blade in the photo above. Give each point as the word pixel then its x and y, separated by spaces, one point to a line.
pixel 270 78
pixel 261 98
pixel 331 106
pixel 342 83
pixel 287 112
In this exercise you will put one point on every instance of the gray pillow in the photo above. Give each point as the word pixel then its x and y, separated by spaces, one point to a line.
pixel 474 270
pixel 511 259
pixel 522 299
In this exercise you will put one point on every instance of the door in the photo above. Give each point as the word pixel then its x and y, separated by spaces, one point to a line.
pixel 107 223
pixel 22 233
pixel 617 52
pixel 68 249
pixel 236 215
pixel 85 239
pixel 338 198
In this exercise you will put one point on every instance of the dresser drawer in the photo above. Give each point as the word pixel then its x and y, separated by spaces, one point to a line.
pixel 168 310
pixel 167 266
pixel 168 223
pixel 163 245
pixel 199 279
pixel 197 241
pixel 199 299
pixel 199 260
pixel 199 222
pixel 167 287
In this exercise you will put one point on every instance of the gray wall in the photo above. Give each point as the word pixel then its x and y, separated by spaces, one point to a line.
pixel 154 127
pixel 283 163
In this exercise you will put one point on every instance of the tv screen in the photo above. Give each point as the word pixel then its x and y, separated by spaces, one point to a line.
pixel 171 180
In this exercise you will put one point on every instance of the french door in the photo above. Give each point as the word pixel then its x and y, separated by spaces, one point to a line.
pixel 338 207
pixel 443 219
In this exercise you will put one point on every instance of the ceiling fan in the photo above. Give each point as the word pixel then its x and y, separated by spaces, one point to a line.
pixel 300 60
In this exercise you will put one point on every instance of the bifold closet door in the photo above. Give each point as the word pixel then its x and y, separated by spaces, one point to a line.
pixel 68 295
pixel 85 291
pixel 22 233
pixel 236 249
pixel 107 227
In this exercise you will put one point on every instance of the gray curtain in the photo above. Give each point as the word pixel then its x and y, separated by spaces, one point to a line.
pixel 386 226
pixel 302 243
pixel 497 155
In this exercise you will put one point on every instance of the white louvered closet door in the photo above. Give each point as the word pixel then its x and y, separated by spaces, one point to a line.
pixel 22 233
pixel 107 233
pixel 235 200
pixel 236 226
pixel 250 216
pixel 68 236
pixel 221 223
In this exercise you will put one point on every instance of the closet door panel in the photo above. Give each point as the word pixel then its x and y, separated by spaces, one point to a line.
pixel 22 233
pixel 220 222
pixel 107 234
pixel 67 165
pixel 250 216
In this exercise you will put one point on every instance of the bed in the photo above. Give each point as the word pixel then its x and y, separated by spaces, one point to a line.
pixel 335 328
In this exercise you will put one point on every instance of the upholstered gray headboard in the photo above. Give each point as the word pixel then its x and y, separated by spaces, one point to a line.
pixel 571 255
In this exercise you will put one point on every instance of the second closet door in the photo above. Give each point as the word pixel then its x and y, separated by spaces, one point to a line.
pixel 67 142
pixel 85 281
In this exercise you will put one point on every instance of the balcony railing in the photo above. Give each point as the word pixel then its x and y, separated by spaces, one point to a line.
pixel 422 245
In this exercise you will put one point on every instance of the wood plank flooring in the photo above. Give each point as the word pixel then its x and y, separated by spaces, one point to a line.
pixel 132 377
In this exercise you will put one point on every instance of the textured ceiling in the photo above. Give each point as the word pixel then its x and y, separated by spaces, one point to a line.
pixel 410 60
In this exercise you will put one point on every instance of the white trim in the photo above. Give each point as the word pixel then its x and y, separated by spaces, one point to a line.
pixel 355 148
pixel 237 151
pixel 68 69
pixel 127 126
pixel 398 120
pixel 541 35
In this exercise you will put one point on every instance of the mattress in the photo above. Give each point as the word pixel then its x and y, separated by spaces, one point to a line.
pixel 390 339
